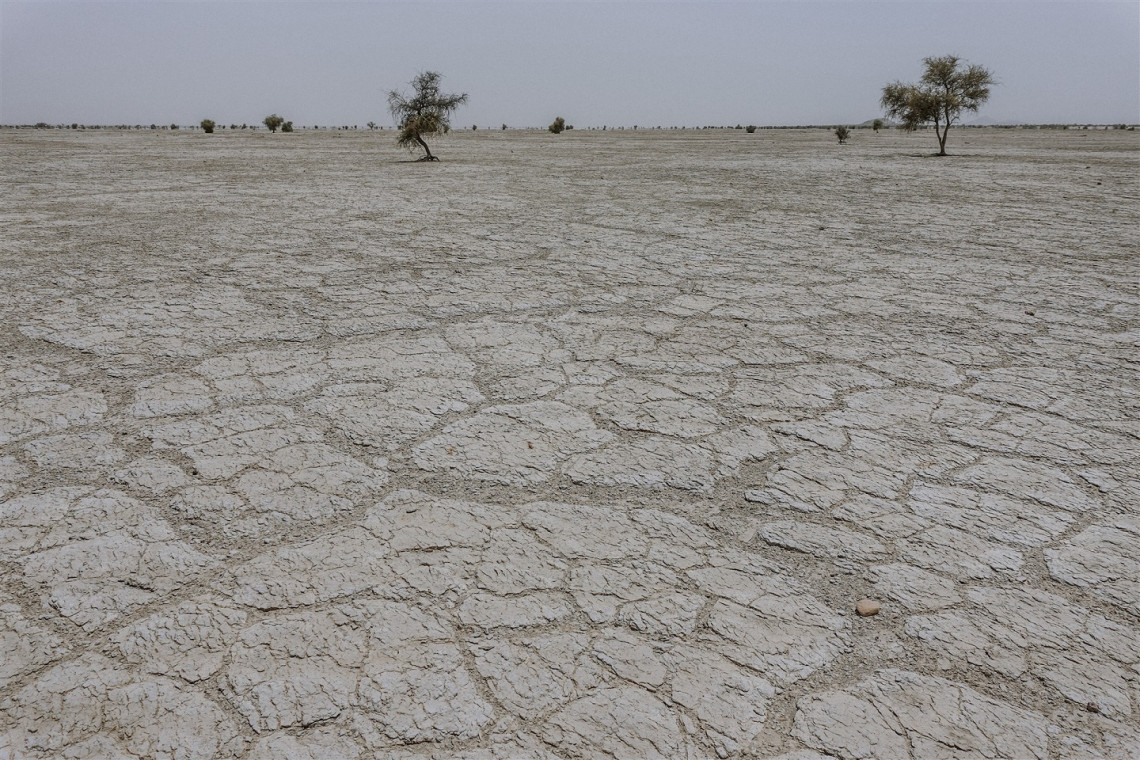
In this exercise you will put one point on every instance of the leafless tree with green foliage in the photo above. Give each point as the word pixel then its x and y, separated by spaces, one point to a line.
pixel 558 125
pixel 273 121
pixel 940 97
pixel 426 113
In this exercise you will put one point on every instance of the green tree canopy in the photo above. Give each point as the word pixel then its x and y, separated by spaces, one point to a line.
pixel 944 92
pixel 425 113
pixel 273 121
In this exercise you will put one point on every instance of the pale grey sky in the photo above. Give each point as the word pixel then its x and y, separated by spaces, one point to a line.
pixel 522 63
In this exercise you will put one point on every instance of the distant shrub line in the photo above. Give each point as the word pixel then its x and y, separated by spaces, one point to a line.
pixel 750 128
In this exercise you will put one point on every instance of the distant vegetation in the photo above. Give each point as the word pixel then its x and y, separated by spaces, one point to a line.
pixel 877 124
pixel 940 97
pixel 557 125
pixel 273 122
pixel 842 133
pixel 207 126
pixel 750 128
pixel 1083 126
pixel 287 126
pixel 425 113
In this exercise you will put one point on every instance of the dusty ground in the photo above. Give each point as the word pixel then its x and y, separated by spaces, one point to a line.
pixel 569 446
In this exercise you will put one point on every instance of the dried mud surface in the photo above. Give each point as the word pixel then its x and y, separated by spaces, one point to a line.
pixel 576 446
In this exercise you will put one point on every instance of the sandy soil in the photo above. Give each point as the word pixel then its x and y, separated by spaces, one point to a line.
pixel 575 446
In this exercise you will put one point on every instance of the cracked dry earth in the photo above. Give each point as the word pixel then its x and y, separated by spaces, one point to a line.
pixel 569 447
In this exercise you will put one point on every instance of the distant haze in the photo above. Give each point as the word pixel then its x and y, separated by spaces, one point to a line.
pixel 523 63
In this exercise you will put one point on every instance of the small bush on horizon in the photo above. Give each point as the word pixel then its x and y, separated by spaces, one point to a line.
pixel 750 128
pixel 842 133
pixel 877 124
pixel 504 127
pixel 174 126
pixel 207 126
pixel 557 125
pixel 287 126
pixel 273 121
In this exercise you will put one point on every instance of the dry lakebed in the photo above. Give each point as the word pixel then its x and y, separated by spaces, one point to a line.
pixel 576 446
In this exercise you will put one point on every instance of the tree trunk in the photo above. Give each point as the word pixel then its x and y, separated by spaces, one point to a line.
pixel 942 135
pixel 427 150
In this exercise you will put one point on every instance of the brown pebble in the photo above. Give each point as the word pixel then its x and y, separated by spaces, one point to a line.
pixel 1092 707
pixel 867 607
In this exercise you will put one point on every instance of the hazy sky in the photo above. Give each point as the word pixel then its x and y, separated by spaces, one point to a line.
pixel 523 63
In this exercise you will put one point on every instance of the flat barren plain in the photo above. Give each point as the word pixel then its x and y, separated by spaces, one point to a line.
pixel 574 446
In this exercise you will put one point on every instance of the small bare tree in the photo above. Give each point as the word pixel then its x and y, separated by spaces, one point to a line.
pixel 940 97
pixel 426 113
